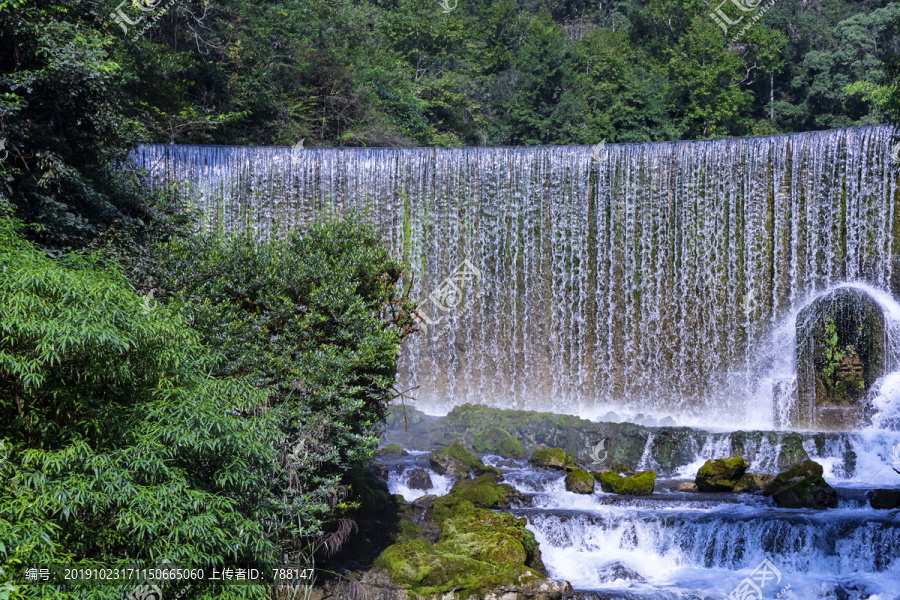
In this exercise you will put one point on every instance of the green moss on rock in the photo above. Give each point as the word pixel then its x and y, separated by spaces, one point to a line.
pixel 391 451
pixel 802 470
pixel 809 492
pixel 640 484
pixel 493 537
pixel 721 474
pixel 484 492
pixel 554 458
pixel 753 482
pixel 449 506
pixel 495 440
pixel 478 551
pixel 456 461
pixel 580 481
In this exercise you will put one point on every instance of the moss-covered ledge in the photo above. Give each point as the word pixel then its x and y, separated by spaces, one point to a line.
pixel 478 553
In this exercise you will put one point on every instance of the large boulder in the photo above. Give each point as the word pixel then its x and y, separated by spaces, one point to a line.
pixel 618 571
pixel 721 474
pixel 791 451
pixel 419 479
pixel 496 440
pixel 457 461
pixel 840 354
pixel 554 458
pixel 479 553
pixel 391 451
pixel 580 481
pixel 753 482
pixel 484 492
pixel 640 484
pixel 885 499
pixel 802 486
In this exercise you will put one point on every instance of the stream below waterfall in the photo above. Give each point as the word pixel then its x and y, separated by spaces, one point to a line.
pixel 681 545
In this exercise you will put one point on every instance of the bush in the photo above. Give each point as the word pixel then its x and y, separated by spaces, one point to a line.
pixel 118 445
pixel 318 319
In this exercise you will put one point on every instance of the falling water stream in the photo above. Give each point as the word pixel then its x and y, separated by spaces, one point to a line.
pixel 658 283
pixel 631 278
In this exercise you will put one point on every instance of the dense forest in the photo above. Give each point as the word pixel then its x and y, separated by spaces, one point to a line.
pixel 82 81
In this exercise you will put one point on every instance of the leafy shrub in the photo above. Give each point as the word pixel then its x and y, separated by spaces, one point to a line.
pixel 118 445
pixel 317 318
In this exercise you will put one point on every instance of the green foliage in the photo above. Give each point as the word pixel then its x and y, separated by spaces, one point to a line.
pixel 317 318
pixel 66 120
pixel 119 446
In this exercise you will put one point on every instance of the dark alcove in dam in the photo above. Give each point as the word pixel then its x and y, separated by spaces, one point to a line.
pixel 840 354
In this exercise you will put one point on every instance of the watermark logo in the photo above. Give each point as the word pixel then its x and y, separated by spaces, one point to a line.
pixel 145 6
pixel 299 452
pixel 597 150
pixel 4 153
pixel 148 589
pixel 447 7
pixel 749 9
pixel 895 458
pixel 595 452
pixel 751 587
pixel 448 295
pixel 895 153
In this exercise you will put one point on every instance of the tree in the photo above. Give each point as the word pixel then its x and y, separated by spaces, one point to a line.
pixel 318 318
pixel 118 445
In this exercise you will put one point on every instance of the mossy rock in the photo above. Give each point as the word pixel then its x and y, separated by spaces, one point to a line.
pixel 621 469
pixel 484 492
pixel 809 492
pixel 580 481
pixel 554 458
pixel 807 468
pixel 640 484
pixel 391 451
pixel 406 532
pixel 456 461
pixel 753 482
pixel 791 452
pixel 449 506
pixel 494 537
pixel 721 474
pixel 479 551
pixel 495 440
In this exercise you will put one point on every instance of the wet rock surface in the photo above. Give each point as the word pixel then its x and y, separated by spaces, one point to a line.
pixel 721 474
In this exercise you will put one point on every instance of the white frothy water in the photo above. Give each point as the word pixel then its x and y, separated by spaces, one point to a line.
pixel 639 283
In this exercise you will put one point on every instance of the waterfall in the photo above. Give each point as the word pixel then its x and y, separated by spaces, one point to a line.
pixel 630 277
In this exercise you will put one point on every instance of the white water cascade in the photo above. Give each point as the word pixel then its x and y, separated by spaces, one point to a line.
pixel 634 278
